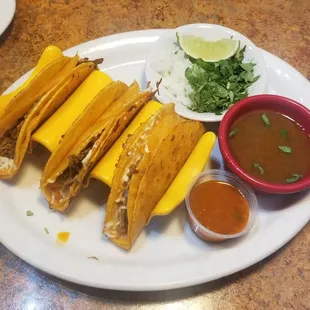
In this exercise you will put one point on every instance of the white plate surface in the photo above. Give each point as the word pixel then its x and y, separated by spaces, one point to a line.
pixel 7 11
pixel 167 254
pixel 212 33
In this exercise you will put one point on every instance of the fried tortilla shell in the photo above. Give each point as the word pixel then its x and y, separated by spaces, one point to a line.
pixel 33 105
pixel 88 139
pixel 151 159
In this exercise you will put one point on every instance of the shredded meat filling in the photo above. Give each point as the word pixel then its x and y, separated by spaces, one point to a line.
pixel 132 170
pixel 75 165
pixel 96 61
pixel 9 139
pixel 122 203
pixel 123 222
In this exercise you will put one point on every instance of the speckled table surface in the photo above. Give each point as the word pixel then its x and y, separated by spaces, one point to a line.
pixel 281 27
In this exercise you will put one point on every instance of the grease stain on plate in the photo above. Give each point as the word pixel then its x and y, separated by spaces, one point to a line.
pixel 63 237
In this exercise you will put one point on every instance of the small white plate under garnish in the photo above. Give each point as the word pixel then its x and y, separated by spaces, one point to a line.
pixel 162 54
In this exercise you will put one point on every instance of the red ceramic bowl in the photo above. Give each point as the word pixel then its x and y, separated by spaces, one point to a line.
pixel 283 105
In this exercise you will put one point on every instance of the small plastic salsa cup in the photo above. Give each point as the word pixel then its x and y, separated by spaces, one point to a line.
pixel 227 177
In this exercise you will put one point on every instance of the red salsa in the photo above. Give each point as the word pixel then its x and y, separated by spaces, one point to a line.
pixel 220 207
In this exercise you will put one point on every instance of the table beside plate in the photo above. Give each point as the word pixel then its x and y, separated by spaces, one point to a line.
pixel 7 11
pixel 114 71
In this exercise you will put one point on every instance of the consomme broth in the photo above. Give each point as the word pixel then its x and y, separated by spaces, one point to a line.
pixel 270 146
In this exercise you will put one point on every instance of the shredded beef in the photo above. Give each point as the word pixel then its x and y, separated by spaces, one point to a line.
pixel 122 215
pixel 133 169
pixel 123 222
pixel 75 165
pixel 9 139
pixel 96 61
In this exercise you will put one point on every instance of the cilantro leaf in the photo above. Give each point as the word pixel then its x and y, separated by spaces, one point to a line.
pixel 233 132
pixel 93 257
pixel 284 134
pixel 285 149
pixel 218 85
pixel 259 168
pixel 265 119
pixel 294 178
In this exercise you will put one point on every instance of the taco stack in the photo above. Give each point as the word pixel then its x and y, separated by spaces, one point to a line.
pixel 34 104
pixel 88 139
pixel 151 159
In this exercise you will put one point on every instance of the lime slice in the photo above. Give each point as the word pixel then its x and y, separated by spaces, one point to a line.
pixel 210 51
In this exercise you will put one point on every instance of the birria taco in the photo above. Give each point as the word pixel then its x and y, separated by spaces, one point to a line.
pixel 151 159
pixel 34 104
pixel 88 139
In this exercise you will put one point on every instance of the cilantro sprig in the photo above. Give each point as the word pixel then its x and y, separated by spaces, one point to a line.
pixel 218 85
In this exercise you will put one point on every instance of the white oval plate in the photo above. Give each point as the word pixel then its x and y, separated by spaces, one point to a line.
pixel 167 254
pixel 7 11
pixel 209 32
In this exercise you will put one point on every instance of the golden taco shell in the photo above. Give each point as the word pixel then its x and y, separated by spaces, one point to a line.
pixel 88 139
pixel 151 159
pixel 33 105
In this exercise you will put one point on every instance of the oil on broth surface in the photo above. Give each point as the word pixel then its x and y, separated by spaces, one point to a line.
pixel 255 143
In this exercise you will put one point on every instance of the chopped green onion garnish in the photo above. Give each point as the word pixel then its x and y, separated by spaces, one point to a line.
pixel 233 132
pixel 265 119
pixel 29 213
pixel 46 230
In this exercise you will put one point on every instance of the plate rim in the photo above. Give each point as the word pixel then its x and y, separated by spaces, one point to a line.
pixel 149 287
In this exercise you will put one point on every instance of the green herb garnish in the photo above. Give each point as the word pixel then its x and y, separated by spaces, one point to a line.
pixel 239 216
pixel 265 119
pixel 29 213
pixel 294 178
pixel 46 231
pixel 259 168
pixel 285 149
pixel 93 257
pixel 233 132
pixel 218 85
pixel 284 134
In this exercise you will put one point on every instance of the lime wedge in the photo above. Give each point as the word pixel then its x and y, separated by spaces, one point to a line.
pixel 210 51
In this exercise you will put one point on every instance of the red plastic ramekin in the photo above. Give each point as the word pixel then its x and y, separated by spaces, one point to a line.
pixel 286 106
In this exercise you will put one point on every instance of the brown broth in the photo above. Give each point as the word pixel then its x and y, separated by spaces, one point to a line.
pixel 257 143
pixel 220 207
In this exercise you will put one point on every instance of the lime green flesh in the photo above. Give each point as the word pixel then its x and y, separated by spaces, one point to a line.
pixel 210 51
